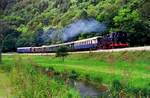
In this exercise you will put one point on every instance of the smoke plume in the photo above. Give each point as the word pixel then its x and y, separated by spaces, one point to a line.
pixel 89 25
pixel 82 26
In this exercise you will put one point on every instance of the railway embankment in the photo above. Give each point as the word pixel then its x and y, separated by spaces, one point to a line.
pixel 129 49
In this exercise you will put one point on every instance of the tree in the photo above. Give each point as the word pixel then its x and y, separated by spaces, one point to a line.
pixel 3 36
pixel 10 40
pixel 126 19
pixel 63 5
pixel 62 52
pixel 144 10
pixel 39 40
pixel 1 45
pixel 83 14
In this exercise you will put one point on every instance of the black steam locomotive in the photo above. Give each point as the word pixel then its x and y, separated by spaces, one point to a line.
pixel 110 41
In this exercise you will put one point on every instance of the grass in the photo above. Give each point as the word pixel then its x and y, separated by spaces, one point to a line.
pixel 132 69
pixel 28 82
pixel 5 88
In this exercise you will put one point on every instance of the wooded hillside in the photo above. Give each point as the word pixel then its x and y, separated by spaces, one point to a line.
pixel 26 21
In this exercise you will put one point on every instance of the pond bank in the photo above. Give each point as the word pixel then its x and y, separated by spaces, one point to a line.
pixel 84 87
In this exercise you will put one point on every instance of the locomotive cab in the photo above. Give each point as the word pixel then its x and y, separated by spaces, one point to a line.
pixel 113 40
pixel 119 39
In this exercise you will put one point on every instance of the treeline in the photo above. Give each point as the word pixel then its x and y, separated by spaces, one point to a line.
pixel 31 18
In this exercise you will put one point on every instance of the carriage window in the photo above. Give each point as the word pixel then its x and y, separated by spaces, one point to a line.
pixel 92 41
pixel 95 41
pixel 88 42
pixel 85 42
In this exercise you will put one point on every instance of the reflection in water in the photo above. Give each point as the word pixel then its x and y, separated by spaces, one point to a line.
pixel 86 90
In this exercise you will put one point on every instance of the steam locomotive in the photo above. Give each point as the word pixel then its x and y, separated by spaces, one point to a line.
pixel 110 41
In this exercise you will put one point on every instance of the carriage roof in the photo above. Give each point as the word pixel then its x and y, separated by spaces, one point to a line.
pixel 93 38
pixel 69 43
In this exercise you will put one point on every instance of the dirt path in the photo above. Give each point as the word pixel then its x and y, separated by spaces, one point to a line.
pixel 5 89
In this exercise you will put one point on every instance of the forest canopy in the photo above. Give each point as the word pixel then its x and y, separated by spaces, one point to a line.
pixel 31 19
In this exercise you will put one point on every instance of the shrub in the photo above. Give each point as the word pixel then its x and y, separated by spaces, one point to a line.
pixel 62 52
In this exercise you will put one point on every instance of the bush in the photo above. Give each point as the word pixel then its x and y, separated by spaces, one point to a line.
pixel 62 52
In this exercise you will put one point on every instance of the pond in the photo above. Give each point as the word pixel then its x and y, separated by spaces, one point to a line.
pixel 86 90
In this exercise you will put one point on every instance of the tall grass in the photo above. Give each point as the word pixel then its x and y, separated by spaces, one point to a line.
pixel 129 69
pixel 29 82
pixel 125 73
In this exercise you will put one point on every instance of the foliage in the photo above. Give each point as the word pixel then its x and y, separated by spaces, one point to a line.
pixel 10 41
pixel 39 41
pixel 28 16
pixel 128 74
pixel 25 41
pixel 8 38
pixel 27 81
pixel 62 52
pixel 22 29
pixel 126 19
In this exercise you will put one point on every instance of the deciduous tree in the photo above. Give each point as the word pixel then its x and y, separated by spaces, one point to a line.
pixel 3 36
pixel 62 52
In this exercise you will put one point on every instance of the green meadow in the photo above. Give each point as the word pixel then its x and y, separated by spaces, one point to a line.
pixel 131 69
pixel 20 79
pixel 4 85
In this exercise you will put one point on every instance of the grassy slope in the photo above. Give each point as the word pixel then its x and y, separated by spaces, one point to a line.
pixel 129 67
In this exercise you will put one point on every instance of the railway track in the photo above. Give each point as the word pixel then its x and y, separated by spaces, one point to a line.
pixel 144 48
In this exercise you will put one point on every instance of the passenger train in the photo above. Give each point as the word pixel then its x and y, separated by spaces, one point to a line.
pixel 110 41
